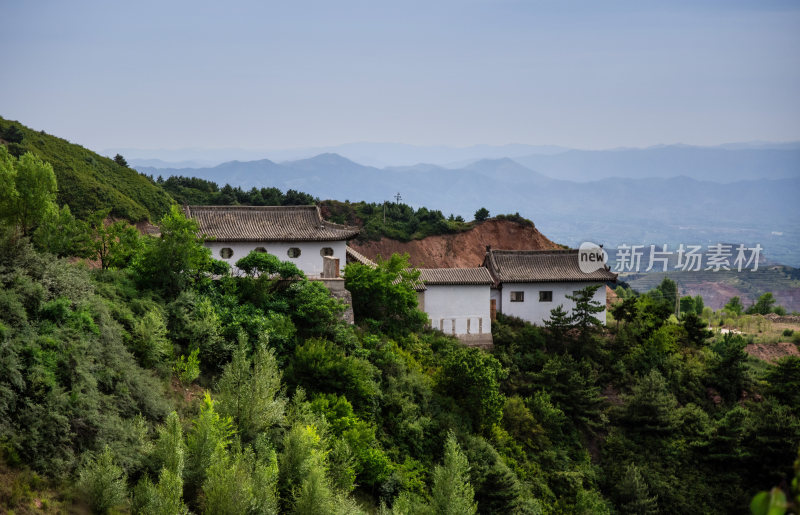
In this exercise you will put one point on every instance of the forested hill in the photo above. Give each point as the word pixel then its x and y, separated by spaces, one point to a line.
pixel 87 181
pixel 160 383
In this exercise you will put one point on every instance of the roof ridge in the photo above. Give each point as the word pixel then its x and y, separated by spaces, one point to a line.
pixel 534 251
pixel 262 208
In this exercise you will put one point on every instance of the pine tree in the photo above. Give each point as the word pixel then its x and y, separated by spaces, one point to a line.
pixel 452 493
pixel 103 483
pixel 635 495
pixel 249 391
pixel 557 326
pixel 210 433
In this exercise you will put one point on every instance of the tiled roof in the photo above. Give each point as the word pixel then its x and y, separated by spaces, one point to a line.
pixel 455 276
pixel 357 257
pixel 267 223
pixel 525 266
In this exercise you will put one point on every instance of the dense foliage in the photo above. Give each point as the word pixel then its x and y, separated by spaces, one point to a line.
pixel 88 182
pixel 159 383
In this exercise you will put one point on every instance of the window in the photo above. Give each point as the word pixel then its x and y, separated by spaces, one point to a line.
pixel 545 296
pixel 226 252
pixel 517 296
pixel 293 252
pixel 260 249
pixel 326 251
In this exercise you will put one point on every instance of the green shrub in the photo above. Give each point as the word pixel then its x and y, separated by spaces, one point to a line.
pixel 102 483
pixel 188 369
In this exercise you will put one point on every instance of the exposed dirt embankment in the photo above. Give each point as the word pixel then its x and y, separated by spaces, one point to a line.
pixel 462 250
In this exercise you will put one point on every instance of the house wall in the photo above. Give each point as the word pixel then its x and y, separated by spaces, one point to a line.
pixel 309 261
pixel 445 304
pixel 537 312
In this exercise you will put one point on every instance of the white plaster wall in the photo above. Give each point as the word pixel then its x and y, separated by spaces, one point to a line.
pixel 459 303
pixel 537 312
pixel 309 261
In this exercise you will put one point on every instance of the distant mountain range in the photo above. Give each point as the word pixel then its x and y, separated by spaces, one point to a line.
pixel 724 163
pixel 609 210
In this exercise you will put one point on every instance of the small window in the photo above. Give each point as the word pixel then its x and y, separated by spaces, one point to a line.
pixel 545 296
pixel 226 252
pixel 293 252
pixel 326 251
pixel 260 249
pixel 517 296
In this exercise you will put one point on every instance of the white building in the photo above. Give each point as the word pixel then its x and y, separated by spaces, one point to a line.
pixel 457 301
pixel 297 234
pixel 529 283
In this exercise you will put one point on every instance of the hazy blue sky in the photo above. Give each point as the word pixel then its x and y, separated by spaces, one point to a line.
pixel 284 74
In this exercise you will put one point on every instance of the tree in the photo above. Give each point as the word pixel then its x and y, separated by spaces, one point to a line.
pixel 635 494
pixel 169 449
pixel 699 305
pixel 452 493
pixel 249 390
pixel 27 191
pixel 734 306
pixel 784 382
pixel 481 214
pixel 13 134
pixel 696 330
pixel 385 294
pixel 763 305
pixel 473 378
pixel 103 483
pixel 8 185
pixel 62 234
pixel 210 433
pixel 120 160
pixel 150 341
pixel 176 259
pixel 728 368
pixel 583 314
pixel 557 326
pixel 669 292
pixel 651 409
pixel 688 305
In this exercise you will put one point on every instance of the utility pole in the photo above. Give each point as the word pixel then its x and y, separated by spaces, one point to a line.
pixel 398 198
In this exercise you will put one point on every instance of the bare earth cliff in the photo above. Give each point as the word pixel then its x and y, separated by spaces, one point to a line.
pixel 462 250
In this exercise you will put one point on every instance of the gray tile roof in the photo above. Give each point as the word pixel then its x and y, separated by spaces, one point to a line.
pixel 267 223
pixel 357 257
pixel 528 266
pixel 468 276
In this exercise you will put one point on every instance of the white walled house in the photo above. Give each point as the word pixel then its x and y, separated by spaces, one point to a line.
pixel 297 234
pixel 457 302
pixel 529 283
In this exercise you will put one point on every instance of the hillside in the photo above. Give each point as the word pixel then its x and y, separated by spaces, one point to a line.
pixel 717 288
pixel 88 181
pixel 463 249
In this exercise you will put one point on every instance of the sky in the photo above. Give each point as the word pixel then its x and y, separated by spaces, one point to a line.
pixel 290 74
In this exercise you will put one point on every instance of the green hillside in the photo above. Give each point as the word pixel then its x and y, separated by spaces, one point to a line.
pixel 88 181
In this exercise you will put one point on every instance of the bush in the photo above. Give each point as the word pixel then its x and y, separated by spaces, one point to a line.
pixel 188 369
pixel 103 483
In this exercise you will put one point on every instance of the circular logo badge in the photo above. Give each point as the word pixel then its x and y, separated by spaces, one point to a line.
pixel 591 257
